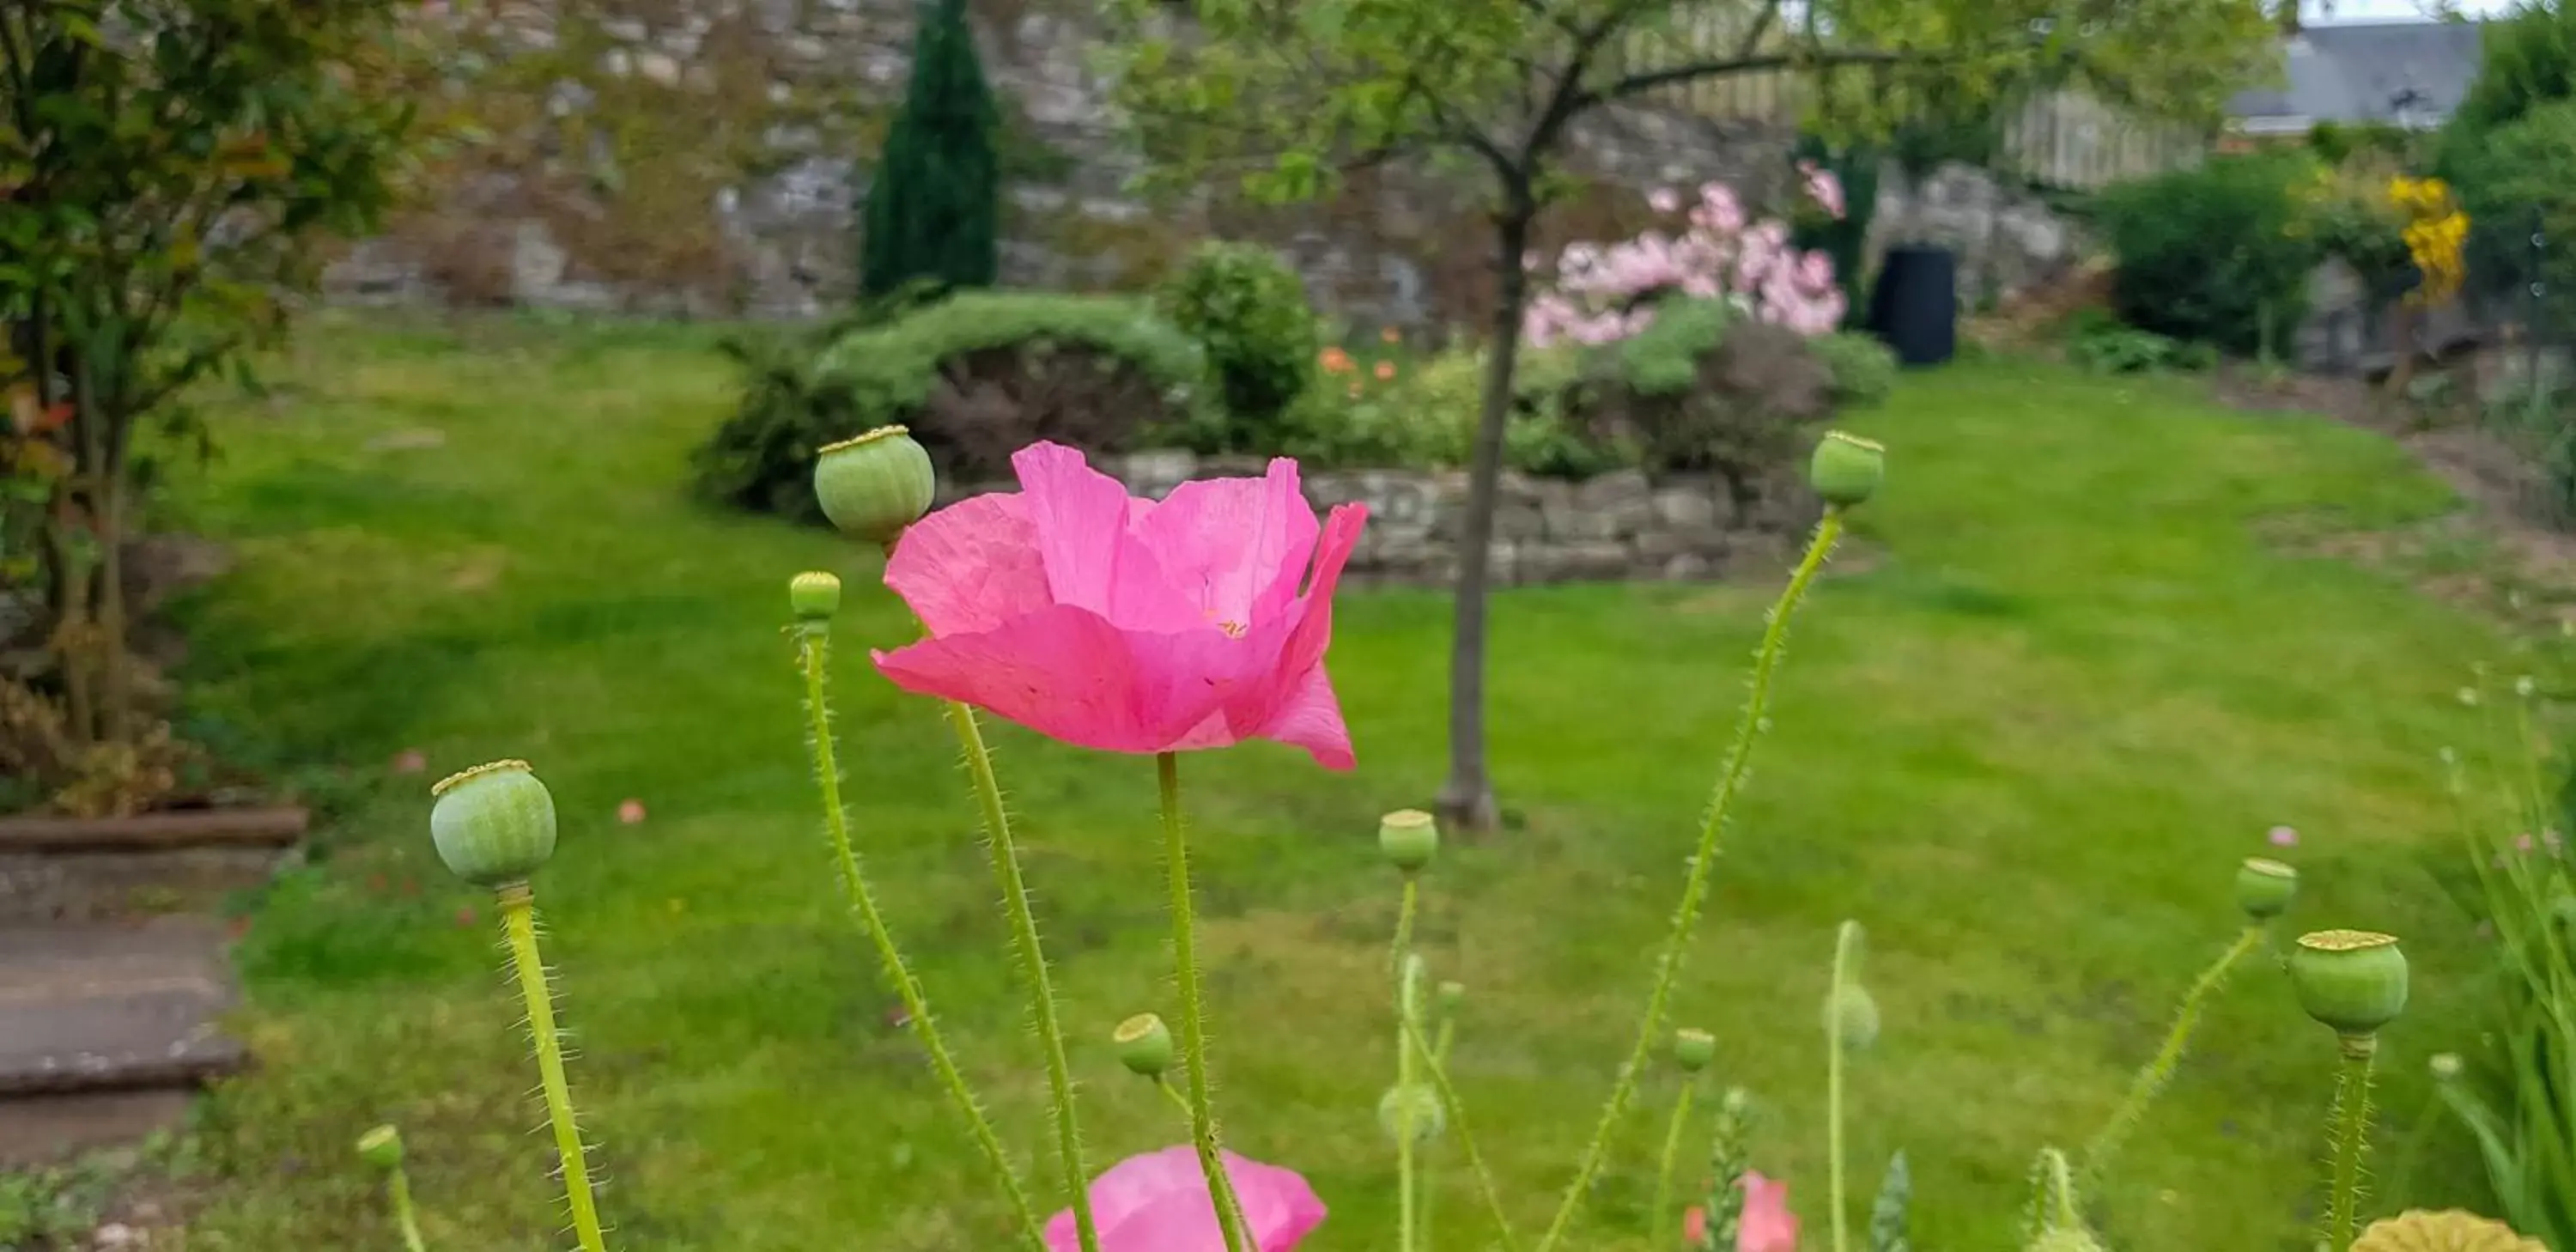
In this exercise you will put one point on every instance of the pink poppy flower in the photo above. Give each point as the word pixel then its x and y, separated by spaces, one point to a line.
pixel 2284 837
pixel 1767 1224
pixel 1128 625
pixel 630 811
pixel 1158 1202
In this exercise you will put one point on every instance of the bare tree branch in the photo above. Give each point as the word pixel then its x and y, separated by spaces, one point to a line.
pixel 1640 83
pixel 1752 41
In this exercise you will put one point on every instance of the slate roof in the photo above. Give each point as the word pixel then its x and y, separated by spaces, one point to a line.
pixel 2398 72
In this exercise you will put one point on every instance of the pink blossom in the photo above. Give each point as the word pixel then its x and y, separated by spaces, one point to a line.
pixel 1823 187
pixel 410 761
pixel 630 811
pixel 2283 837
pixel 1128 625
pixel 1158 1202
pixel 2522 842
pixel 1663 200
pixel 1766 1226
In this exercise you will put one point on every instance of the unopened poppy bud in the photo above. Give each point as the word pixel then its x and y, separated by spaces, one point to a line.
pixel 2351 980
pixel 1851 1018
pixel 2264 888
pixel 1449 997
pixel 874 486
pixel 381 1148
pixel 493 824
pixel 1846 469
pixel 1417 1102
pixel 1409 838
pixel 1144 1045
pixel 2445 1066
pixel 814 595
pixel 1693 1049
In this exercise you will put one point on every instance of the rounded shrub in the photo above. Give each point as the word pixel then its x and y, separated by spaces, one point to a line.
pixel 2218 254
pixel 1248 309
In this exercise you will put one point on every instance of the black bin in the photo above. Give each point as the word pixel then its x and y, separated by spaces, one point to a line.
pixel 1915 307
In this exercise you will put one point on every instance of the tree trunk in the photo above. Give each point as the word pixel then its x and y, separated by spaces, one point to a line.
pixel 1467 799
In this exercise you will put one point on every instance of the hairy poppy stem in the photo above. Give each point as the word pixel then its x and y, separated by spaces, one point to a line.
pixel 814 652
pixel 398 1193
pixel 1672 1155
pixel 1185 972
pixel 1703 865
pixel 1033 967
pixel 1456 1112
pixel 1408 1219
pixel 2151 1081
pixel 2352 1115
pixel 1845 940
pixel 518 924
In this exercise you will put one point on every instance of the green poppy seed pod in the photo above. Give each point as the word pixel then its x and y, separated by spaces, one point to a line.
pixel 814 595
pixel 1448 998
pixel 381 1147
pixel 1144 1045
pixel 2264 888
pixel 1847 469
pixel 1852 1018
pixel 1693 1049
pixel 2351 980
pixel 875 485
pixel 1416 1100
pixel 1409 838
pixel 493 824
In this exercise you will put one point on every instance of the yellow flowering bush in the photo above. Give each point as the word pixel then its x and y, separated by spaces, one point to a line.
pixel 2436 234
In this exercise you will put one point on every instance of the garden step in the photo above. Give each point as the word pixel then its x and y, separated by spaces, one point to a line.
pixel 86 1010
pixel 271 827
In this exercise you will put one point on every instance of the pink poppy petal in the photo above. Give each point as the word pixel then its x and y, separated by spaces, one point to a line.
pixel 1159 1202
pixel 1768 1225
pixel 1069 674
pixel 1128 1187
pixel 970 566
pixel 1279 1208
pixel 1092 559
pixel 1314 631
pixel 1312 719
pixel 1235 547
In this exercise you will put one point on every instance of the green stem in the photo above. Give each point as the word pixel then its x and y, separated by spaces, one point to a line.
pixel 1185 971
pixel 1033 967
pixel 2151 1080
pixel 814 651
pixel 1439 1057
pixel 518 922
pixel 1407 1024
pixel 398 1191
pixel 1836 1049
pixel 1702 865
pixel 1179 1101
pixel 1456 1110
pixel 2352 1136
pixel 1672 1155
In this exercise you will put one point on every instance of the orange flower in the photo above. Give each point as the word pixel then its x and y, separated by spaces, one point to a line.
pixel 1386 371
pixel 1390 335
pixel 1335 361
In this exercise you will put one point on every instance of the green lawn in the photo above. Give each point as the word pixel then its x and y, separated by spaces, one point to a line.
pixel 2025 741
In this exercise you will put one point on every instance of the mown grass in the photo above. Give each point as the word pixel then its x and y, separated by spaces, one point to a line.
pixel 2025 741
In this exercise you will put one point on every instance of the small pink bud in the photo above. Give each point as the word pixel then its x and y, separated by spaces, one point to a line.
pixel 2284 837
pixel 631 812
pixel 410 761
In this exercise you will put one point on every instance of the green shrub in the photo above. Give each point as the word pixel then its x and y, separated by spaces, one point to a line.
pixel 1864 369
pixel 1700 392
pixel 2100 344
pixel 2511 181
pixel 934 211
pixel 976 376
pixel 2528 60
pixel 2219 254
pixel 1249 310
pixel 1425 418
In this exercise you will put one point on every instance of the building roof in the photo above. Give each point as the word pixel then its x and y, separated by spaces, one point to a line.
pixel 2405 73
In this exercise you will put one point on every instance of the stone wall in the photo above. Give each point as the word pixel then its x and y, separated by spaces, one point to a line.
pixel 705 156
pixel 1612 528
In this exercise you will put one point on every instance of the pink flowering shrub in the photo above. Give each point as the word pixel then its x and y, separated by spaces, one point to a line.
pixel 1603 294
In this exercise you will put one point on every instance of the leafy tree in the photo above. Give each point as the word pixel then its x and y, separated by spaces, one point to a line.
pixel 165 168
pixel 1490 90
pixel 935 209
pixel 2528 60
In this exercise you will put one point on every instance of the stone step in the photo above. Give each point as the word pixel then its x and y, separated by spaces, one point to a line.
pixel 268 827
pixel 94 1009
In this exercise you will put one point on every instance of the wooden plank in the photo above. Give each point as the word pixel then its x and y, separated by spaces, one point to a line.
pixel 269 827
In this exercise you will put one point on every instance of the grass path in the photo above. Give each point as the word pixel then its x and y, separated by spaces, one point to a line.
pixel 2025 744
